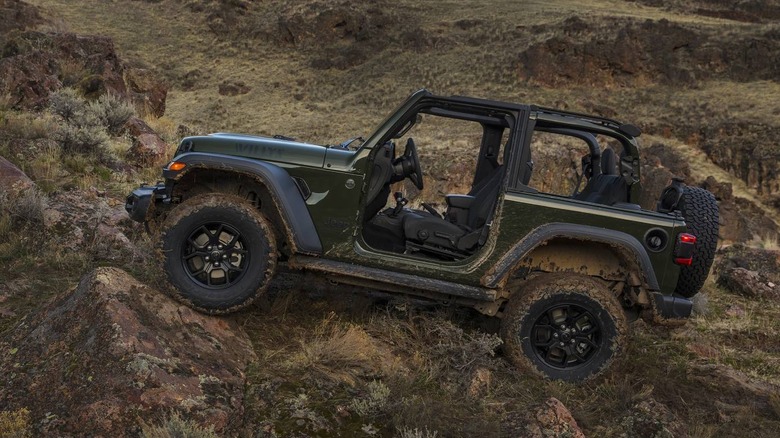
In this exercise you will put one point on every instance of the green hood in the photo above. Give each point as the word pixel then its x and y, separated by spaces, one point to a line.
pixel 262 148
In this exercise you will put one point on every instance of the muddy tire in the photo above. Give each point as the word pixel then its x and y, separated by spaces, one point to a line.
pixel 700 210
pixel 563 327
pixel 219 252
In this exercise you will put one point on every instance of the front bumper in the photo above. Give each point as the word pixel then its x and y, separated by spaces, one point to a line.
pixel 139 200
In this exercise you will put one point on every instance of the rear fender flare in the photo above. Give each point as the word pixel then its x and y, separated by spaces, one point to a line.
pixel 627 244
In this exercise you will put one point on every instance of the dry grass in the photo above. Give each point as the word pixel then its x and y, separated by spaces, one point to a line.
pixel 335 351
pixel 340 366
pixel 15 424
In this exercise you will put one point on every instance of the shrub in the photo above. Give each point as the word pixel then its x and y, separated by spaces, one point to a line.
pixel 66 103
pixel 374 401
pixel 111 111
pixel 175 427
pixel 25 208
pixel 88 126
pixel 408 432
pixel 82 139
pixel 15 424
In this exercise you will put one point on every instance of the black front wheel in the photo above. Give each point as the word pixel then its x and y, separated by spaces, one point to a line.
pixel 219 252
pixel 564 327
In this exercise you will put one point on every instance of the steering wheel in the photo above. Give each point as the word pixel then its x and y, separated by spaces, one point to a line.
pixel 411 164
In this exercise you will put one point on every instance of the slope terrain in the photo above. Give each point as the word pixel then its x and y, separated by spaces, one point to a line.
pixel 699 77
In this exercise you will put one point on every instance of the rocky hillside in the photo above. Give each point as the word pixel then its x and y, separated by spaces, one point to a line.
pixel 92 99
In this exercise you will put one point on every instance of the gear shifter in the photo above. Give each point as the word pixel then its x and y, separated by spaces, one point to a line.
pixel 400 201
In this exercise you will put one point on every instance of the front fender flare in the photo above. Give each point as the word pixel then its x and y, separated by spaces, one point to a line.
pixel 284 191
pixel 507 264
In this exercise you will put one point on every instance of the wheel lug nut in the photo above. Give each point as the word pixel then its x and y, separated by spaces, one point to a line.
pixel 216 264
pixel 224 256
pixel 207 258
pixel 220 246
pixel 562 344
pixel 210 247
pixel 573 341
pixel 555 335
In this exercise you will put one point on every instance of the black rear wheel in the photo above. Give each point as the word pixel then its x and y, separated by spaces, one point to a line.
pixel 219 252
pixel 700 210
pixel 563 326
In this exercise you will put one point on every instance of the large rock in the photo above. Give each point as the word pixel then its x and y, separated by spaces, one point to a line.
pixel 35 64
pixel 148 147
pixel 752 284
pixel 552 418
pixel 17 15
pixel 79 221
pixel 12 180
pixel 113 351
pixel 765 261
pixel 146 91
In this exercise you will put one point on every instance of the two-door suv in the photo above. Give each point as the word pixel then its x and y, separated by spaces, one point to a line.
pixel 565 272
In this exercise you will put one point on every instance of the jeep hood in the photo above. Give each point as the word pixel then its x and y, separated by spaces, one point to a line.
pixel 261 148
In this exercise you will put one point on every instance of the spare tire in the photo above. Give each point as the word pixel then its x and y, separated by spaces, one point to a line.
pixel 700 210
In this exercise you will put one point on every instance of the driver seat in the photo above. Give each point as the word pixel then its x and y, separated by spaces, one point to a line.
pixel 462 232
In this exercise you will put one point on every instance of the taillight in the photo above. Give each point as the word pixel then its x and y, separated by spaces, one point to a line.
pixel 683 251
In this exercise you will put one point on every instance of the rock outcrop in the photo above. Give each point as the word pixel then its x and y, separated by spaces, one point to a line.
pixel 113 351
pixel 635 53
pixel 34 64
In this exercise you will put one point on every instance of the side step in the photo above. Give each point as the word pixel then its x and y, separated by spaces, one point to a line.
pixel 388 280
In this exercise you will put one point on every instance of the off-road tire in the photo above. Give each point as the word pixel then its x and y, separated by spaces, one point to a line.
pixel 576 302
pixel 246 267
pixel 700 210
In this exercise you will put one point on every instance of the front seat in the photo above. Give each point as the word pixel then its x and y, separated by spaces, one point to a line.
pixel 466 217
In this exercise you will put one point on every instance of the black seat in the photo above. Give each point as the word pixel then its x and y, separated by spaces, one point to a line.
pixel 606 187
pixel 466 217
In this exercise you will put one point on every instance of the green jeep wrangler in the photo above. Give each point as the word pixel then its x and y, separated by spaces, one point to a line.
pixel 565 272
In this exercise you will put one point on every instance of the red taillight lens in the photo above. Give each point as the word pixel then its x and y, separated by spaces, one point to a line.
pixel 684 261
pixel 687 238
pixel 683 251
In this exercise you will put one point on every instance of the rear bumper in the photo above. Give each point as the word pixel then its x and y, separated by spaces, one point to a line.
pixel 672 307
pixel 139 200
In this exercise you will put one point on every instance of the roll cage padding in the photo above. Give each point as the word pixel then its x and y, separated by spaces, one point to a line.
pixel 283 190
pixel 507 264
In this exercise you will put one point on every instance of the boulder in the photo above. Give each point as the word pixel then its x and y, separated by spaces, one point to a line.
pixel 12 180
pixel 765 261
pixel 748 283
pixel 146 92
pixel 650 418
pixel 552 418
pixel 233 88
pixel 113 351
pixel 148 147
